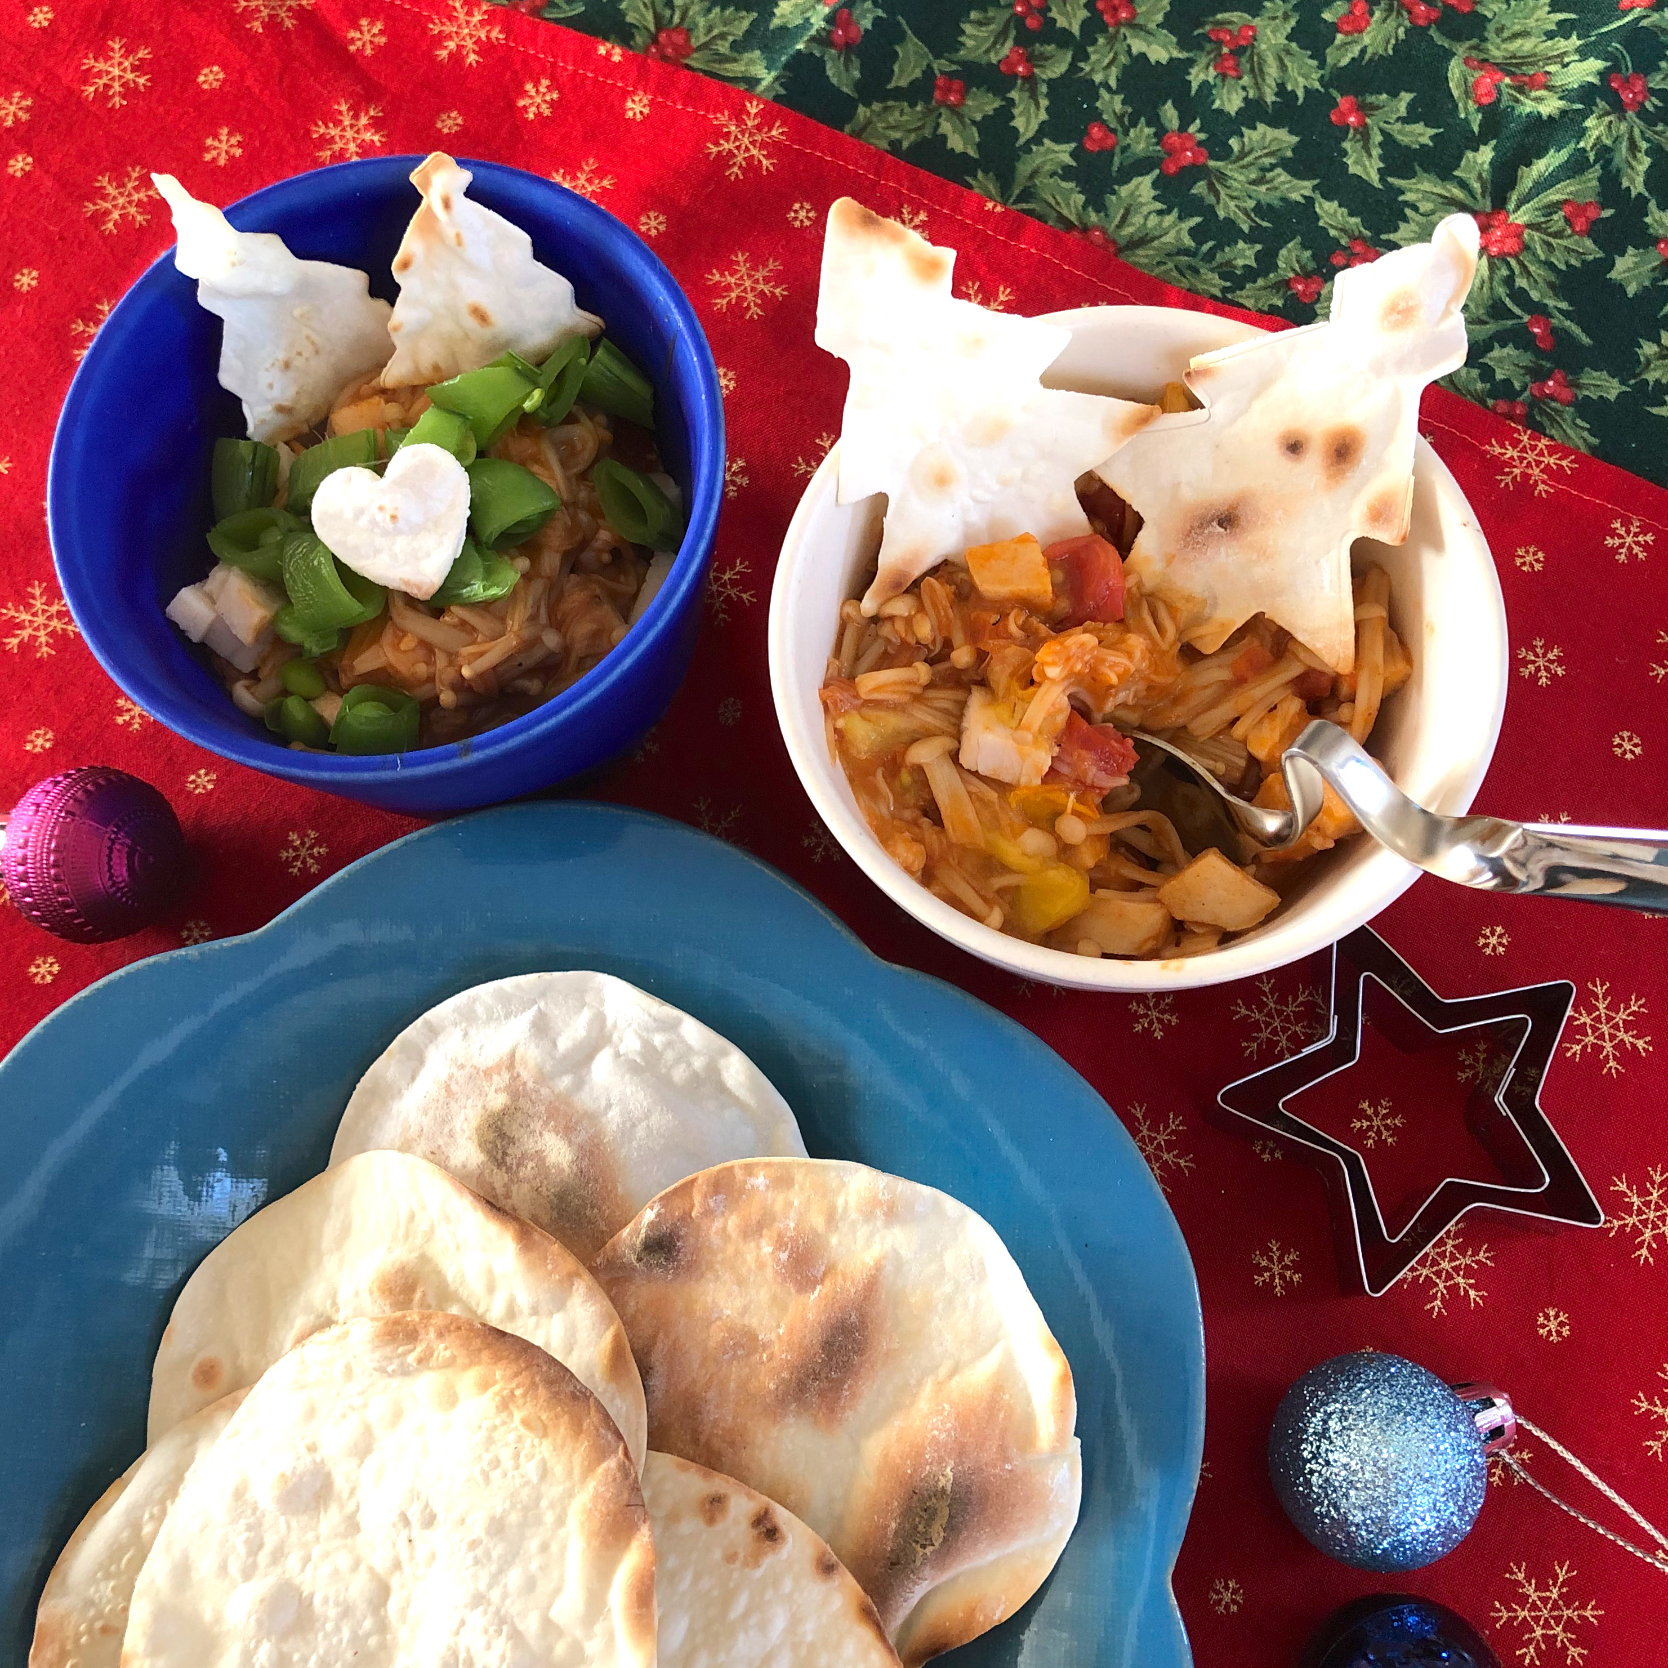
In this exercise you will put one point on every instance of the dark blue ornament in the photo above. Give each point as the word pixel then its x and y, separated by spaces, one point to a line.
pixel 1377 1462
pixel 1396 1630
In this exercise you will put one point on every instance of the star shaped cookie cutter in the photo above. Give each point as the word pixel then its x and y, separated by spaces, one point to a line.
pixel 1540 1180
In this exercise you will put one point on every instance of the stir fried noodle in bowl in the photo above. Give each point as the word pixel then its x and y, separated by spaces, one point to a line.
pixel 949 736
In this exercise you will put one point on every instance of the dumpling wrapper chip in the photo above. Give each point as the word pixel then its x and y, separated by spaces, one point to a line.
pixel 568 1099
pixel 865 1351
pixel 381 1233
pixel 470 287
pixel 1306 443
pixel 412 1489
pixel 740 1582
pixel 82 1617
pixel 945 413
pixel 296 332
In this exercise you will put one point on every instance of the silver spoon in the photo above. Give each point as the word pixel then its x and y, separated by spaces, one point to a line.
pixel 1623 866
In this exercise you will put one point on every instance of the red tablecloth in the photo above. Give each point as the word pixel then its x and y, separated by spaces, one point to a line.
pixel 232 94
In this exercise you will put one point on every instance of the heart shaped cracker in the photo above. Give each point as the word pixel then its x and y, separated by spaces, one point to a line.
pixel 403 528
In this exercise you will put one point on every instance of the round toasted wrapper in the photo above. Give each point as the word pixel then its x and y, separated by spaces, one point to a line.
pixel 568 1099
pixel 376 1234
pixel 411 1490
pixel 865 1351
pixel 82 1617
pixel 740 1581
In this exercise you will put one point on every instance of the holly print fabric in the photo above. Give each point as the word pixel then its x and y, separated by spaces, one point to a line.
pixel 1251 155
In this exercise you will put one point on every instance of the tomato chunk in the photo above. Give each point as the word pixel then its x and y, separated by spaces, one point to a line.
pixel 1091 757
pixel 1250 661
pixel 1090 576
pixel 1312 684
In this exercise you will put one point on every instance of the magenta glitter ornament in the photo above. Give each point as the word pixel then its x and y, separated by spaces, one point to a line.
pixel 92 854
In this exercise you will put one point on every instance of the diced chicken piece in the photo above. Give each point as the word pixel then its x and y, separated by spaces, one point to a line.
pixel 231 613
pixel 216 582
pixel 1277 729
pixel 327 705
pixel 993 746
pixel 1012 570
pixel 1332 824
pixel 249 606
pixel 1213 891
pixel 192 610
pixel 229 646
pixel 1121 925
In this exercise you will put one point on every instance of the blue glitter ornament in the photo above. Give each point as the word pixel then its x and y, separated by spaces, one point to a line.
pixel 1377 1462
pixel 1396 1630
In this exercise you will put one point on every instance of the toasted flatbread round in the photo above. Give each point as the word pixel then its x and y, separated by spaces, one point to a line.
pixel 740 1581
pixel 82 1616
pixel 567 1099
pixel 410 1490
pixel 865 1351
pixel 376 1234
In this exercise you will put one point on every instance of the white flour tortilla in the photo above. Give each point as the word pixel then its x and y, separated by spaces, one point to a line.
pixel 380 1233
pixel 415 1491
pixel 568 1099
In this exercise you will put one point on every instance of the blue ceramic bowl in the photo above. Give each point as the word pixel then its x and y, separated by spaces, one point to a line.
pixel 128 498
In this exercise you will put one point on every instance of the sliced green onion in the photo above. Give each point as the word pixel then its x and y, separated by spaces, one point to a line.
pixel 243 476
pixel 303 678
pixel 311 640
pixel 507 504
pixel 476 578
pixel 293 719
pixel 376 720
pixel 253 540
pixel 491 398
pixel 393 440
pixel 323 593
pixel 562 376
pixel 343 451
pixel 445 429
pixel 614 383
pixel 635 507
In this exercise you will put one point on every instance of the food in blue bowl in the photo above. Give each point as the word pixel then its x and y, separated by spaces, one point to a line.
pixel 429 554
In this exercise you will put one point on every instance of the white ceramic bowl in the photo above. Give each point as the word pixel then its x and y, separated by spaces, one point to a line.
pixel 1435 735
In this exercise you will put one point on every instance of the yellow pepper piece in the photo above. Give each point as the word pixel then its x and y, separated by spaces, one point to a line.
pixel 1041 804
pixel 1010 853
pixel 1049 899
pixel 1012 570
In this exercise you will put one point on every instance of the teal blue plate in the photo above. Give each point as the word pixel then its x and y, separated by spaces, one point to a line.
pixel 151 1114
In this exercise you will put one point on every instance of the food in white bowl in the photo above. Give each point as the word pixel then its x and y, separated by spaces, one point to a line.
pixel 1435 731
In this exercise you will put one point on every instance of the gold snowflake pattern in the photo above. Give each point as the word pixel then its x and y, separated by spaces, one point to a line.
pixel 1540 663
pixel 1268 1151
pixel 279 13
pixel 347 133
pixel 726 591
pixel 84 330
pixel 1483 1064
pixel 15 108
pixel 1281 1023
pixel 220 148
pixel 5 466
pixel 808 463
pixel 820 844
pixel 1646 1215
pixel 726 380
pixel 1553 1324
pixel 746 284
pixel 914 219
pixel 652 224
pixel 613 53
pixel 115 73
pixel 735 476
pixel 38 741
pixel 123 199
pixel 1377 1123
pixel 1494 941
pixel 37 622
pixel 302 853
pixel 648 746
pixel 1153 1014
pixel 449 121
pixel 1157 1143
pixel 1607 1029
pixel 536 99
pixel 998 301
pixel 1226 1596
pixel 201 781
pixel 465 31
pixel 1449 1267
pixel 746 143
pixel 20 165
pixel 588 179
pixel 802 215
pixel 1530 557
pixel 1626 744
pixel 1276 1267
pixel 1659 668
pixel 130 715
pixel 637 107
pixel 196 932
pixel 40 17
pixel 211 76
pixel 26 278
pixel 44 969
pixel 1655 1407
pixel 1546 1615
pixel 1528 458
pixel 729 712
pixel 366 36
pixel 1629 540
pixel 720 824
pixel 1510 1467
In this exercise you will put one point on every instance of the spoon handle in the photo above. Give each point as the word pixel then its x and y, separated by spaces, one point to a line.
pixel 1624 867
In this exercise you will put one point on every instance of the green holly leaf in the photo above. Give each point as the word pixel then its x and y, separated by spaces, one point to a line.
pixel 1564 425
pixel 1384 32
pixel 1637 269
pixel 713 34
pixel 1513 364
pixel 985 185
pixel 1050 60
pixel 1069 14
pixel 841 64
pixel 1168 120
pixel 1653 360
pixel 1386 119
pixel 1598 385
pixel 793 14
pixel 1250 177
pixel 1153 235
pixel 1273 64
pixel 1656 220
pixel 986 36
pixel 893 125
pixel 913 59
pixel 1144 36
pixel 1227 92
pixel 1030 105
pixel 1470 384
pixel 1271 292
pixel 1624 143
pixel 1337 221
pixel 959 127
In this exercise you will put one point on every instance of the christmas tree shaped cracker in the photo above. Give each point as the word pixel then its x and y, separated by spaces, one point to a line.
pixel 1305 444
pixel 945 413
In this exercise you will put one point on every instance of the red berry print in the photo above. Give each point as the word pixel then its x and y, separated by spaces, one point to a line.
pixel 1181 150
pixel 1356 19
pixel 947 90
pixel 1460 5
pixel 1348 113
pixel 1517 409
pixel 1018 62
pixel 1581 216
pixel 1662 247
pixel 1029 12
pixel 1486 88
pixel 1099 137
pixel 845 31
pixel 1114 13
pixel 1556 387
pixel 1227 65
pixel 1097 236
pixel 1540 327
pixel 1633 5
pixel 671 46
pixel 1419 14
pixel 1630 89
pixel 1501 235
pixel 1306 287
